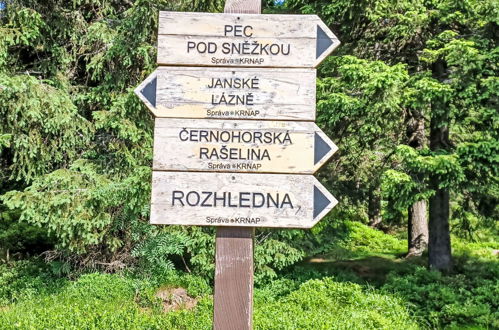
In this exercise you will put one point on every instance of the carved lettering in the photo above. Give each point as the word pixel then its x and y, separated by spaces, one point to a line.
pixel 232 199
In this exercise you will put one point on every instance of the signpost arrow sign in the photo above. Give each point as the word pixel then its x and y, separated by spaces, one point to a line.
pixel 240 146
pixel 236 199
pixel 243 40
pixel 238 93
pixel 254 169
pixel 146 91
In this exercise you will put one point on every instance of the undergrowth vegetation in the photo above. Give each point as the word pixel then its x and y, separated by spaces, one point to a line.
pixel 329 291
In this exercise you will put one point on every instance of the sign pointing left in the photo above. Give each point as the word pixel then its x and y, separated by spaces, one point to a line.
pixel 238 93
pixel 146 91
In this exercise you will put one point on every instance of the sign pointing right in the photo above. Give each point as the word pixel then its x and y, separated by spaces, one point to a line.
pixel 237 199
pixel 240 146
pixel 243 40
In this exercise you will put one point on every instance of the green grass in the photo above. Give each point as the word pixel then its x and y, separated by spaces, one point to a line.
pixel 328 304
pixel 466 298
pixel 102 301
pixel 361 283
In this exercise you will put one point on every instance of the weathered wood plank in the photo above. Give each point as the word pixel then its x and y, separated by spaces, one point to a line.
pixel 243 6
pixel 213 24
pixel 233 296
pixel 235 199
pixel 243 40
pixel 240 146
pixel 242 93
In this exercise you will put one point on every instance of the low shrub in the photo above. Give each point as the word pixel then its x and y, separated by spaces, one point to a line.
pixel 364 239
pixel 105 301
pixel 326 304
pixel 457 300
pixel 26 279
pixel 323 295
pixel 100 301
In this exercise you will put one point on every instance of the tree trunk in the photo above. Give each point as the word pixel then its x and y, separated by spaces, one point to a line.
pixel 417 229
pixel 417 222
pixel 439 248
pixel 374 208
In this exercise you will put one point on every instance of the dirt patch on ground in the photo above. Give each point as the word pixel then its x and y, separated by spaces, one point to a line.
pixel 175 298
pixel 318 260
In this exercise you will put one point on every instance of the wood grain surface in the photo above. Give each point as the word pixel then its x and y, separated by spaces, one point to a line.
pixel 233 294
pixel 240 93
pixel 239 146
pixel 245 40
pixel 233 305
pixel 238 199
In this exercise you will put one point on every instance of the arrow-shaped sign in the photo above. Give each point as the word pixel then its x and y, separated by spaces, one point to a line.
pixel 243 40
pixel 240 146
pixel 235 199
pixel 238 93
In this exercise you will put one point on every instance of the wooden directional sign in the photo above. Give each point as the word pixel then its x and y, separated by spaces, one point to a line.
pixel 236 199
pixel 240 146
pixel 256 70
pixel 238 93
pixel 243 40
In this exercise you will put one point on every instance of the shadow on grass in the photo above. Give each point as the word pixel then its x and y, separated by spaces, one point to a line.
pixel 373 269
pixel 362 269
pixel 25 279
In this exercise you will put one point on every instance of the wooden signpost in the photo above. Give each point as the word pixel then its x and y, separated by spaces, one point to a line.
pixel 237 199
pixel 240 93
pixel 240 146
pixel 234 140
pixel 243 40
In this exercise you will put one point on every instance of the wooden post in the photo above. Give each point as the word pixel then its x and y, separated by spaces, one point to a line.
pixel 283 80
pixel 233 307
pixel 274 107
pixel 243 7
pixel 233 299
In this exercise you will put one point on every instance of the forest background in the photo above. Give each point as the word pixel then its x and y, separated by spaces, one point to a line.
pixel 410 98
